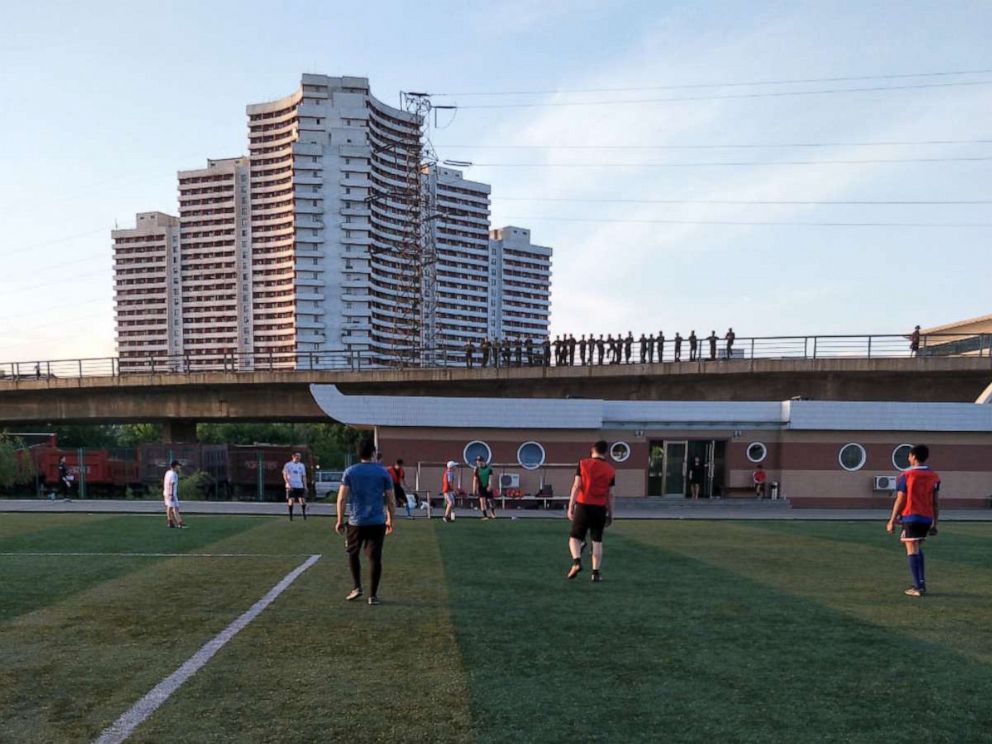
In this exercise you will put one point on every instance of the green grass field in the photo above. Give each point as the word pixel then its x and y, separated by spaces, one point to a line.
pixel 702 632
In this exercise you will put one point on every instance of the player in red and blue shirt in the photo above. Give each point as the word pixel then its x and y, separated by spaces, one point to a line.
pixel 917 508
pixel 590 508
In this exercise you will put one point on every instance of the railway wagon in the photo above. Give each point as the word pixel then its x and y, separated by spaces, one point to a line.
pixel 104 472
pixel 255 470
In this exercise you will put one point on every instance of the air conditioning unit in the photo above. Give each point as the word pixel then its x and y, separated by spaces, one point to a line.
pixel 509 480
pixel 885 483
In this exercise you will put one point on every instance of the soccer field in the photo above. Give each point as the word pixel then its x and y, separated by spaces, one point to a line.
pixel 702 631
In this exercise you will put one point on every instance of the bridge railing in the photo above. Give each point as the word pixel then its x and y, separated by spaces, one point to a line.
pixel 875 346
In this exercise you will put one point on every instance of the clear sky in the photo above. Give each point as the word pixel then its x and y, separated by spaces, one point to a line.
pixel 102 102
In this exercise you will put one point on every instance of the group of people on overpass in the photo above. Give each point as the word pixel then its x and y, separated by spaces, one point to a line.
pixel 567 351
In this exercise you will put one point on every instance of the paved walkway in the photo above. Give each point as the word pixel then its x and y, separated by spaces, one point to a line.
pixel 702 510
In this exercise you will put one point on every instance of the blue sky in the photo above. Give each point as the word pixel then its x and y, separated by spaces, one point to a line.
pixel 103 102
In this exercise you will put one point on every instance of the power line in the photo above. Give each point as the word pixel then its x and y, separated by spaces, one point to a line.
pixel 738 84
pixel 722 147
pixel 743 202
pixel 42 244
pixel 727 96
pixel 759 223
pixel 734 163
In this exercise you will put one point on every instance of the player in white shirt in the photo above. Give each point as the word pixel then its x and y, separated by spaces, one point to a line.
pixel 294 474
pixel 170 494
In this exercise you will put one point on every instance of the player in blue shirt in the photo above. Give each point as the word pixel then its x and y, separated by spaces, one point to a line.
pixel 367 490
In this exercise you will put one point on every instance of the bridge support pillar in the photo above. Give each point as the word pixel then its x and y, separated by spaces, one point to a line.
pixel 178 430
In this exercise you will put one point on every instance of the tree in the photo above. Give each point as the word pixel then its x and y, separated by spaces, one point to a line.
pixel 15 466
pixel 331 443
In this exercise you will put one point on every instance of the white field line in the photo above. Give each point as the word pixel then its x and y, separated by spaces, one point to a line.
pixel 161 555
pixel 127 723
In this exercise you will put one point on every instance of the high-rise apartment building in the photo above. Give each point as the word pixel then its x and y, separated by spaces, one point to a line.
pixel 147 305
pixel 519 285
pixel 215 261
pixel 313 243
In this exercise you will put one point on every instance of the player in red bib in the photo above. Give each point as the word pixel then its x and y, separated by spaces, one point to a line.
pixel 916 505
pixel 590 508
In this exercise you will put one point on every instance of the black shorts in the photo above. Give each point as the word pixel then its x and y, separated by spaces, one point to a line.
pixel 485 493
pixel 399 495
pixel 914 531
pixel 371 536
pixel 588 518
pixel 296 493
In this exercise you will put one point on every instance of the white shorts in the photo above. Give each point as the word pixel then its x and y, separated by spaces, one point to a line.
pixel 171 503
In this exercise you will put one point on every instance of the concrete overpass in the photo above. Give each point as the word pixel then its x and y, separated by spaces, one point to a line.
pixel 179 401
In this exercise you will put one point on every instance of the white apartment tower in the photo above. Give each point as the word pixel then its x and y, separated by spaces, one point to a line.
pixel 309 245
pixel 519 285
pixel 215 263
pixel 147 304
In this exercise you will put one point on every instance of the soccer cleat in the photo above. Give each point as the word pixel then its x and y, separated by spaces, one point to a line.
pixel 373 600
pixel 915 592
pixel 597 576
pixel 574 570
pixel 353 595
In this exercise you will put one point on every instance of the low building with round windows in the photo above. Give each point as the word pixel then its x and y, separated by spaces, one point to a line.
pixel 814 453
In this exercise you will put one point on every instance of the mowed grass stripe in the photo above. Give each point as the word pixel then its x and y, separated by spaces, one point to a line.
pixel 18 524
pixel 864 580
pixel 314 668
pixel 33 581
pixel 68 670
pixel 966 543
pixel 672 647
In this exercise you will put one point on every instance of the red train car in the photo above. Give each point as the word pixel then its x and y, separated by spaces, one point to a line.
pixel 99 472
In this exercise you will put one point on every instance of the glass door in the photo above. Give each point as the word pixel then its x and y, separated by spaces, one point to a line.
pixel 656 468
pixel 674 468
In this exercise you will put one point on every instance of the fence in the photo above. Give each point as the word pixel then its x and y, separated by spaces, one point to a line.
pixel 891 346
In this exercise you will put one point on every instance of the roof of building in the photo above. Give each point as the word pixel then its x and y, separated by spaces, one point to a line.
pixel 963 325
pixel 555 413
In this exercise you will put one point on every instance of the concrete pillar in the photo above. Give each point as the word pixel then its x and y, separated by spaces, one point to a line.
pixel 178 430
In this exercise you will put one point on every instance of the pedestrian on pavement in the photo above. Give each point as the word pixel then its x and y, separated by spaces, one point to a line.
pixel 469 352
pixel 628 347
pixel 449 489
pixel 366 496
pixel 697 471
pixel 914 342
pixel 294 476
pixel 759 477
pixel 170 494
pixel 661 346
pixel 678 348
pixel 590 508
pixel 643 342
pixel 712 339
pixel 397 474
pixel 601 348
pixel 693 346
pixel 485 347
pixel 65 480
pixel 730 338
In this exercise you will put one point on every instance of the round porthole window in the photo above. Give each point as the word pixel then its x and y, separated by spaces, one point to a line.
pixel 475 449
pixel 620 451
pixel 852 457
pixel 900 456
pixel 530 455
pixel 756 452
